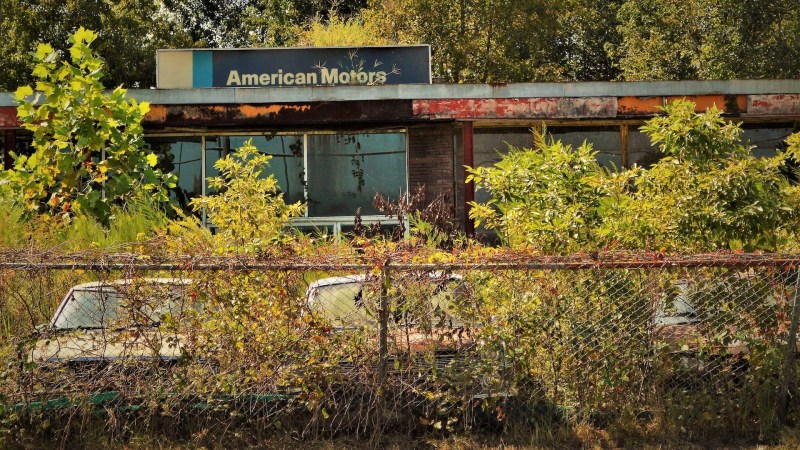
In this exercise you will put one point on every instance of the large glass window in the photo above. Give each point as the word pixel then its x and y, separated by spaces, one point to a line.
pixel 286 163
pixel 183 157
pixel 334 174
pixel 345 171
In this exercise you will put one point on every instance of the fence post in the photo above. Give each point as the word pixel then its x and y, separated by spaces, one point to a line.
pixel 383 344
pixel 791 346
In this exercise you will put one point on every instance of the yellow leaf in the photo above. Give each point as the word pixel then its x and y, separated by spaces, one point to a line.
pixel 152 159
pixel 84 35
pixel 40 71
pixel 43 50
pixel 22 92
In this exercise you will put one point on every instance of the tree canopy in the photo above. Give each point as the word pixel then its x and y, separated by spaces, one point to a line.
pixel 472 40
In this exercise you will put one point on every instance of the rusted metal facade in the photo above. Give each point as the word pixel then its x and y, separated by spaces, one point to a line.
pixel 441 120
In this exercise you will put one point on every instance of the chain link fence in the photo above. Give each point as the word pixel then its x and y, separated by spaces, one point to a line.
pixel 693 345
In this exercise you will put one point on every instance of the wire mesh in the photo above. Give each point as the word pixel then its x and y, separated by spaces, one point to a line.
pixel 695 342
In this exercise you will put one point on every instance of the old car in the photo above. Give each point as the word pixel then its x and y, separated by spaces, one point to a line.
pixel 426 338
pixel 419 320
pixel 689 328
pixel 106 321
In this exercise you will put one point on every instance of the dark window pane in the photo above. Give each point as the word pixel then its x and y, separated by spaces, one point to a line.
pixel 641 151
pixel 346 170
pixel 181 156
pixel 605 141
pixel 490 145
pixel 286 163
pixel 766 140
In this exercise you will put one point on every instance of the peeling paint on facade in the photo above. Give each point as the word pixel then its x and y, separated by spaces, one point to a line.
pixel 517 108
pixel 279 114
pixel 8 117
pixel 647 106
pixel 773 105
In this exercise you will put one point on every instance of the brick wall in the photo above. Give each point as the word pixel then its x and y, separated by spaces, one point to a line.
pixel 430 160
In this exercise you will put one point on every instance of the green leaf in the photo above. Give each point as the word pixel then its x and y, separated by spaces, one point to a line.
pixel 42 50
pixel 23 92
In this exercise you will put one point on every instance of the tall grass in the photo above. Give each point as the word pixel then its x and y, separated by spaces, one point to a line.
pixel 13 233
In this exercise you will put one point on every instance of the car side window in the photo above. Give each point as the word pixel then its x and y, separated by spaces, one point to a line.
pixel 88 309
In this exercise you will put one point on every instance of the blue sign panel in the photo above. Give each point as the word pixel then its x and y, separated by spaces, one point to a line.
pixel 276 67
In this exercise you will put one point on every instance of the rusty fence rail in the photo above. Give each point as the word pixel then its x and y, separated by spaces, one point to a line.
pixel 690 344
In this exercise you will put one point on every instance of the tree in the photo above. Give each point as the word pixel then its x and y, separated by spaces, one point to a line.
pixel 586 30
pixel 340 31
pixel 253 23
pixel 248 209
pixel 546 198
pixel 477 40
pixel 87 144
pixel 708 39
pixel 659 39
pixel 130 31
pixel 751 39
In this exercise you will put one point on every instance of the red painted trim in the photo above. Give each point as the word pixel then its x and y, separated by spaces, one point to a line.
pixel 517 108
pixel 8 117
pixel 774 105
pixel 469 188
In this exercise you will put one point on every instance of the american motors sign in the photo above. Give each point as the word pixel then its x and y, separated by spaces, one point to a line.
pixel 289 67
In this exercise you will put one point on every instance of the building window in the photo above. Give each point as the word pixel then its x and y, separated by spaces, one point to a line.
pixel 183 157
pixel 286 163
pixel 335 174
pixel 345 171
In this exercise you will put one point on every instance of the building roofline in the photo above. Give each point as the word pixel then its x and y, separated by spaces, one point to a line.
pixel 223 96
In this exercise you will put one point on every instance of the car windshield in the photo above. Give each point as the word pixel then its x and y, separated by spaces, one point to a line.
pixel 111 307
pixel 677 308
pixel 351 304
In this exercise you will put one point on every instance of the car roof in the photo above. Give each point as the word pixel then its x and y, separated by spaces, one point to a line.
pixel 330 281
pixel 128 281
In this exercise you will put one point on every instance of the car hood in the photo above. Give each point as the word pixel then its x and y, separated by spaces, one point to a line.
pixel 106 345
pixel 688 337
pixel 416 340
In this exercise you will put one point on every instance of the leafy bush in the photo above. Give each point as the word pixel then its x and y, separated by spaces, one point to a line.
pixel 88 144
pixel 708 192
pixel 545 198
pixel 248 209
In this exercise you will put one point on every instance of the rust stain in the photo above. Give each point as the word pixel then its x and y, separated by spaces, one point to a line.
pixel 774 104
pixel 516 108
pixel 162 114
pixel 257 111
pixel 157 114
pixel 639 106
pixel 8 117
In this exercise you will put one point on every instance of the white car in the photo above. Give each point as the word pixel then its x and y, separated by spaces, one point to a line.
pixel 116 320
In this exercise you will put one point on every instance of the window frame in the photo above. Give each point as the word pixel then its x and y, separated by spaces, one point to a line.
pixel 336 222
